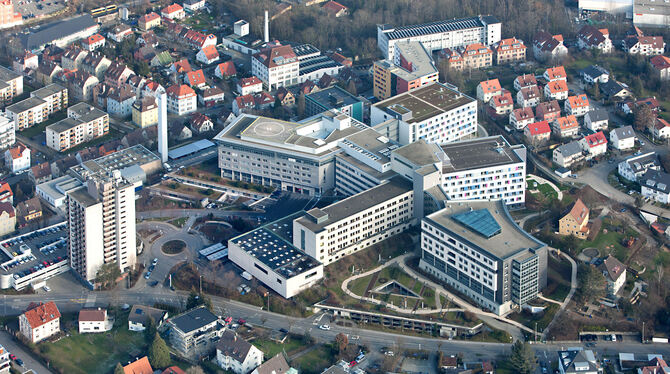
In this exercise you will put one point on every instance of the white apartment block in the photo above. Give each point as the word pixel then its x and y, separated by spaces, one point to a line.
pixel 276 66
pixel 477 248
pixel 101 220
pixel 485 169
pixel 56 97
pixel 435 113
pixel 5 363
pixel 291 156
pixel 338 230
pixel 635 167
pixel 440 35
pixel 28 112
pixel 84 123
pixel 40 322
pixel 7 132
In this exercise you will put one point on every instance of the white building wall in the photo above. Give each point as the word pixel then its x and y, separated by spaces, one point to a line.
pixel 507 182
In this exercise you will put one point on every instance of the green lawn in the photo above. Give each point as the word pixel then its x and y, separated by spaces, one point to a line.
pixel 358 286
pixel 270 348
pixel 95 353
pixel 612 240
pixel 315 361
pixel 179 222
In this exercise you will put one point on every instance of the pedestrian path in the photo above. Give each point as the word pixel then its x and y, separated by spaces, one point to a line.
pixel 540 180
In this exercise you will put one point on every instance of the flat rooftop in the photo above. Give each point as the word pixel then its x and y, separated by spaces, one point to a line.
pixel 419 153
pixel 419 57
pixel 425 102
pixel 370 144
pixel 352 205
pixel 135 155
pixel 194 319
pixel 7 74
pixel 272 244
pixel 65 124
pixel 81 195
pixel 496 232
pixel 47 245
pixel 314 136
pixel 333 97
pixel 24 105
pixel 47 91
pixel 478 153
pixel 410 31
pixel 647 7
pixel 56 188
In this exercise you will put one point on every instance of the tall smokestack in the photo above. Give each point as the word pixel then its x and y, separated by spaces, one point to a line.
pixel 162 127
pixel 266 35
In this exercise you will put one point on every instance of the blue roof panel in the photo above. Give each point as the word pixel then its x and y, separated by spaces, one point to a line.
pixel 480 221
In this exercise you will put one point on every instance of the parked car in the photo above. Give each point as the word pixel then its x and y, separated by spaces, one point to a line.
pixel 325 327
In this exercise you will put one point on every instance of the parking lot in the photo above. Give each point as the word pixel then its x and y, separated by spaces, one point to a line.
pixel 33 256
pixel 38 8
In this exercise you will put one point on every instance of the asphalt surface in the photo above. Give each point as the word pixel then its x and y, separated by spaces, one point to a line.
pixel 29 363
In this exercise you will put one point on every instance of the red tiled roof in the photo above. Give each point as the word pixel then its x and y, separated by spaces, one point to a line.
pixel 660 62
pixel 149 17
pixel 271 56
pixel 334 7
pixel 17 152
pixel 539 128
pixel 246 82
pixel 210 52
pixel 578 101
pixel 94 39
pixel 514 43
pixel 596 139
pixel 42 314
pixel 661 123
pixel 141 366
pixel 524 113
pixel 228 69
pixel 7 207
pixel 196 78
pixel 182 66
pixel 557 86
pixel 567 122
pixel 526 80
pixel 180 91
pixel 489 86
pixel 557 72
pixel 173 370
pixel 503 100
pixel 172 8
pixel 245 101
pixel 5 190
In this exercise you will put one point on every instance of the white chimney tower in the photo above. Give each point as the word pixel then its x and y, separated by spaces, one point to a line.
pixel 266 35
pixel 162 127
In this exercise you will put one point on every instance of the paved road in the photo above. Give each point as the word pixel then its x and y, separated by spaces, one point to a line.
pixel 29 363
pixel 177 213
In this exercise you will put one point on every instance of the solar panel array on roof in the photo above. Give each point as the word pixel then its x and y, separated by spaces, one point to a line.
pixel 434 28
pixel 480 221
pixel 313 64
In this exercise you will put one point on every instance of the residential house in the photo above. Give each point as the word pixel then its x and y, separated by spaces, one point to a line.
pixel 246 86
pixel 596 119
pixel 258 101
pixel 590 37
pixel 487 89
pixel 655 185
pixel 285 97
pixel 195 79
pixel 7 219
pixel 197 39
pixel 73 57
pixel 476 56
pixel 94 320
pixel 509 50
pixel 226 70
pixel 181 67
pixel 661 65
pixel 566 127
pixel 522 117
pixel 211 96
pixel 173 370
pixel 335 9
pixel 661 129
pixel 577 105
pixel 46 72
pixel 528 96
pixel 93 42
pixel 275 365
pixel 454 58
pixel 307 87
pixel 141 366
pixel 136 82
pixel 173 11
pixel 120 101
pixel 555 73
pixel 568 154
pixel 342 60
pixel 194 332
pixel 160 59
pixel 623 138
pixel 181 99
pixel 120 32
pixel 30 210
pixel 276 66
pixel 615 274
pixel 180 131
pixel 547 47
pixel 236 354
pixel 264 100
pixel 594 73
pixel 556 90
pixel 537 132
pixel 548 111
pixel 201 123
pixel 208 55
pixel 613 90
pixel 644 45
pixel 40 173
pixel 502 104
pixel 594 144
pixel 576 221
pixel 6 194
pixel 17 158
pixel 141 315
pixel 40 322
pixel 525 80
pixel 149 21
pixel 193 5
pixel 96 64
pixel 634 167
pixel 326 81
pixel 81 84
pixel 117 73
pixel 152 88
pixel 26 63
pixel 578 361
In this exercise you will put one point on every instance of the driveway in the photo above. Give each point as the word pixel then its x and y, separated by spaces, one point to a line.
pixel 29 363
